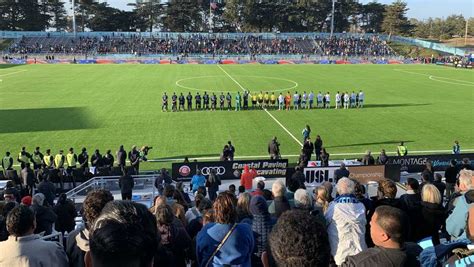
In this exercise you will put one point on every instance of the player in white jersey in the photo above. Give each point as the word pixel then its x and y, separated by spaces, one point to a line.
pixel 296 98
pixel 361 99
pixel 353 99
pixel 281 102
pixel 304 98
pixel 328 100
pixel 346 100
pixel 319 98
pixel 338 100
pixel 311 100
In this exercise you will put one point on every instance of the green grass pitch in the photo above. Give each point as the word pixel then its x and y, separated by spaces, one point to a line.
pixel 103 106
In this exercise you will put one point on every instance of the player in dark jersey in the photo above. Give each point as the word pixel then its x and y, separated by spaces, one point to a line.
pixel 206 100
pixel 181 101
pixel 213 101
pixel 228 97
pixel 164 103
pixel 174 102
pixel 197 98
pixel 221 101
pixel 246 100
pixel 189 99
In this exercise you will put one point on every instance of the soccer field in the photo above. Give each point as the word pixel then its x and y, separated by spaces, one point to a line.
pixel 103 106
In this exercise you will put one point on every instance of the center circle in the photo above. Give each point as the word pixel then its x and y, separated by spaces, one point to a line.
pixel 179 83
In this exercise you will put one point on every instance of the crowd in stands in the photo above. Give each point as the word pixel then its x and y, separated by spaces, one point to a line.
pixel 262 100
pixel 204 44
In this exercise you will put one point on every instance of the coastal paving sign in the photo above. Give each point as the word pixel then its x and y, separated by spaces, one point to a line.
pixel 229 170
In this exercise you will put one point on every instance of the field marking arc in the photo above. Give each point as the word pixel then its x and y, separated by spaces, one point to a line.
pixel 433 78
pixel 279 123
pixel 11 73
pixel 178 82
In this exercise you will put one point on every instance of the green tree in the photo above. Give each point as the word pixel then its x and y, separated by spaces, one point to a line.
pixel 372 15
pixel 395 19
pixel 182 16
pixel 149 13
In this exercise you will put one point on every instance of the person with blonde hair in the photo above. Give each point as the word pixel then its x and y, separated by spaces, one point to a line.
pixel 243 208
pixel 280 202
pixel 456 222
pixel 432 215
pixel 321 198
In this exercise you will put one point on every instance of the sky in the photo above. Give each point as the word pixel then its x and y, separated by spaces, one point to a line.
pixel 419 9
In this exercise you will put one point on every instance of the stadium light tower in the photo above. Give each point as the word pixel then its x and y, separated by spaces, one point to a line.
pixel 74 17
pixel 332 17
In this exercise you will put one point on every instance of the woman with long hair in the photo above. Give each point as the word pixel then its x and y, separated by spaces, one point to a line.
pixel 433 215
pixel 321 198
pixel 243 208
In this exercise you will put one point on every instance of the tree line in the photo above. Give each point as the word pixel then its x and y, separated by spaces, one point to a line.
pixel 228 16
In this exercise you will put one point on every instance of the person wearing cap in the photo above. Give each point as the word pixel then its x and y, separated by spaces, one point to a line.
pixel 45 216
pixel 26 201
pixel 134 157
pixel 37 158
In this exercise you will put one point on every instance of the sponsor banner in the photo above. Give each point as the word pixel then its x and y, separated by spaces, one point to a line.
pixel 229 170
pixel 362 174
pixel 417 163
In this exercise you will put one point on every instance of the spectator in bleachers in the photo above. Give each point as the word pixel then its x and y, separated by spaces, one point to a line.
pixel 78 240
pixel 346 218
pixel 8 206
pixel 47 188
pixel 341 172
pixel 45 216
pixel 23 248
pixel 178 209
pixel 298 239
pixel 382 159
pixel 193 212
pixel 246 178
pixel 126 184
pixel 440 185
pixel 388 231
pixel 237 236
pixel 359 191
pixel 259 190
pixel 321 198
pixel 280 202
pixel 432 214
pixel 368 159
pixel 125 234
pixel 463 185
pixel 451 174
pixel 212 183
pixel 243 209
pixel 456 222
pixel 262 224
pixel 66 212
pixel 28 178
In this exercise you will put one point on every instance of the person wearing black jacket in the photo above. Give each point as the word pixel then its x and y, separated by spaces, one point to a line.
pixel 45 216
pixel 83 160
pixel 318 146
pixel 298 177
pixel 96 160
pixel 47 188
pixel 121 157
pixel 432 215
pixel 341 172
pixel 308 148
pixel 134 157
pixel 28 178
pixel 66 212
pixel 451 175
pixel 126 184
pixel 108 160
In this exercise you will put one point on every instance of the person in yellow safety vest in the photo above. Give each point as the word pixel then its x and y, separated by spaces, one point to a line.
pixel 7 162
pixel 59 160
pixel 254 100
pixel 23 157
pixel 266 99
pixel 37 159
pixel 71 159
pixel 273 100
pixel 48 159
pixel 402 150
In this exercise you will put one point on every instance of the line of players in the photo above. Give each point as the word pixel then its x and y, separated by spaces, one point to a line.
pixel 262 100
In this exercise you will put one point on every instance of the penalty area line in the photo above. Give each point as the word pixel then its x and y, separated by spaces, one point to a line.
pixel 269 114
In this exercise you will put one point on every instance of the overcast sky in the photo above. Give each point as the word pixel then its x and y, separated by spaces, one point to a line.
pixel 420 9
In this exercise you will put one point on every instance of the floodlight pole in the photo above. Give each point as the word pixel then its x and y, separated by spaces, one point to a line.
pixel 465 32
pixel 210 18
pixel 74 17
pixel 332 17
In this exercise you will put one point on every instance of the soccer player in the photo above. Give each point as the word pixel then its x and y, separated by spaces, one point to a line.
pixel 353 100
pixel 272 100
pixel 338 100
pixel 164 103
pixel 266 99
pixel 246 100
pixel 319 99
pixel 213 101
pixel 254 100
pixel 260 99
pixel 221 101
pixel 238 98
pixel 174 102
pixel 189 99
pixel 205 97
pixel 346 100
pixel 311 100
pixel 296 98
pixel 303 100
pixel 229 101
pixel 281 102
pixel 181 101
pixel 197 98
pixel 328 100
pixel 288 101
pixel 361 99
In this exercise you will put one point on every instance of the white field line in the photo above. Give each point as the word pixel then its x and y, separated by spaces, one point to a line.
pixel 11 73
pixel 439 78
pixel 293 156
pixel 281 125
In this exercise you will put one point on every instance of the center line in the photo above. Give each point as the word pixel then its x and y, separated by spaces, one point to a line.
pixel 269 114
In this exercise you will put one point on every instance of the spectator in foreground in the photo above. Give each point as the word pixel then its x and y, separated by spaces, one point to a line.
pixel 297 239
pixel 125 234
pixel 23 248
pixel 280 202
pixel 78 240
pixel 238 237
pixel 243 209
pixel 440 185
pixel 388 229
pixel 262 224
pixel 456 222
pixel 66 212
pixel 346 222
pixel 433 215
pixel 45 216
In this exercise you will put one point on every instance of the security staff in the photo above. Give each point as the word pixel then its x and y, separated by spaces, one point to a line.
pixel 7 162
pixel 59 160
pixel 37 159
pixel 23 157
pixel 71 159
pixel 402 150
pixel 48 159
